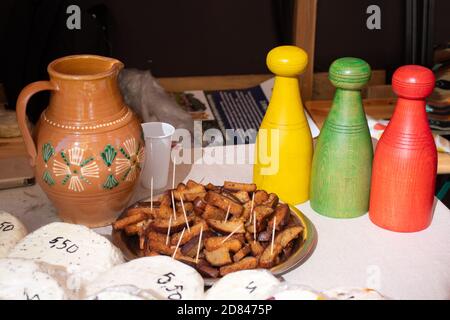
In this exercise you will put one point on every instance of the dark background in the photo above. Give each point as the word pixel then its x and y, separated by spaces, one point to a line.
pixel 204 37
pixel 194 37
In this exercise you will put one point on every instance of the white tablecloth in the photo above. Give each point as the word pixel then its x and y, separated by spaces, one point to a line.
pixel 351 252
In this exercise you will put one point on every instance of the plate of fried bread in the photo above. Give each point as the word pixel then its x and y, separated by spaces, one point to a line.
pixel 217 229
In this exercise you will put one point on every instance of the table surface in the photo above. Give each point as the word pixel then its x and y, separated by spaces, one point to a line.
pixel 350 253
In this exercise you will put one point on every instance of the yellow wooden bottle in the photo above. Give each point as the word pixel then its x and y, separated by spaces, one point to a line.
pixel 284 148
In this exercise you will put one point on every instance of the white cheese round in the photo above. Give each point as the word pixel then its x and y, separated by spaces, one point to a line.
pixel 11 232
pixel 294 292
pixel 164 277
pixel 257 284
pixel 22 279
pixel 84 253
pixel 122 293
pixel 350 293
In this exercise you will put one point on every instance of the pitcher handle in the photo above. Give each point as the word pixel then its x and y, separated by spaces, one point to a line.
pixel 21 107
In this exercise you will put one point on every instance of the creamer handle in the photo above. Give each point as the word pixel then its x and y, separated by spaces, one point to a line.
pixel 21 107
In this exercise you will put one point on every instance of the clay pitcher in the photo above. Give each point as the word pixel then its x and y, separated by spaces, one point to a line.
pixel 88 149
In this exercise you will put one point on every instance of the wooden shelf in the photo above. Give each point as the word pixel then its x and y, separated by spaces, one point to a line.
pixel 376 108
pixel 179 84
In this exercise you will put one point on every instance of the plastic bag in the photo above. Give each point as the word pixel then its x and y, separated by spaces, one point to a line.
pixel 150 101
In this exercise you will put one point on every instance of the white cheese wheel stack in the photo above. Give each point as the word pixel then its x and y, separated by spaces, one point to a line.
pixel 11 232
pixel 162 276
pixel 84 253
pixel 68 261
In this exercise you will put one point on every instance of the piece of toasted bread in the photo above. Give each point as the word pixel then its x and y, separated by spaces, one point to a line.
pixel 260 197
pixel 132 219
pixel 218 257
pixel 189 234
pixel 242 196
pixel 236 186
pixel 178 224
pixel 212 212
pixel 280 217
pixel 244 264
pixel 224 227
pixel 242 253
pixel 287 235
pixel 214 243
pixel 223 202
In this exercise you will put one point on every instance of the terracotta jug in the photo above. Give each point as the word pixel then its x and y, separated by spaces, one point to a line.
pixel 88 148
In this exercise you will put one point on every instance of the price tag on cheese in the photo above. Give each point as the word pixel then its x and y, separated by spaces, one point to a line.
pixel 244 285
pixel 165 277
pixel 84 253
pixel 11 232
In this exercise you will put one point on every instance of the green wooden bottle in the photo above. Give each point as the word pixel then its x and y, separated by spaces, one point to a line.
pixel 342 162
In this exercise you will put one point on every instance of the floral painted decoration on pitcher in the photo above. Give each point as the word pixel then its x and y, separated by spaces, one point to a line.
pixel 79 170
pixel 132 160
pixel 108 156
pixel 47 153
pixel 76 168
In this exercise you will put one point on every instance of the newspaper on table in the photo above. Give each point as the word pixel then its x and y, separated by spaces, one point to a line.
pixel 233 109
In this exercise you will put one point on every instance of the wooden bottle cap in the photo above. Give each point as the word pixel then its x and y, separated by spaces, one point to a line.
pixel 413 82
pixel 349 73
pixel 287 61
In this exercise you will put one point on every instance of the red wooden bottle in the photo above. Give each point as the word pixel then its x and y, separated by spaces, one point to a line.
pixel 405 162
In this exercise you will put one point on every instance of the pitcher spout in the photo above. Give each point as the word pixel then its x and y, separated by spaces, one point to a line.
pixel 87 89
pixel 84 67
